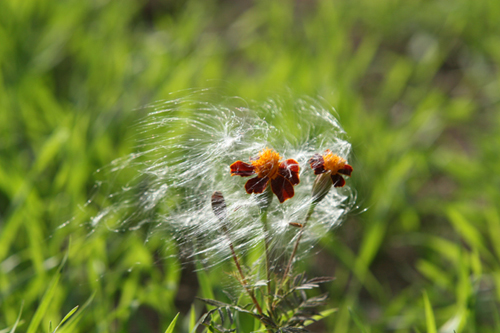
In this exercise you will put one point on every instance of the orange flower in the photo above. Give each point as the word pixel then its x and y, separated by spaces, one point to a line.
pixel 268 167
pixel 329 162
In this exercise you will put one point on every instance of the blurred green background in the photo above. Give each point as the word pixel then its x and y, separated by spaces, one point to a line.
pixel 416 86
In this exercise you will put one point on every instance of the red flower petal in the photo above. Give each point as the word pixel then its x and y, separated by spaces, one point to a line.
pixel 282 188
pixel 242 169
pixel 256 185
pixel 346 170
pixel 290 170
pixel 338 180
pixel 317 163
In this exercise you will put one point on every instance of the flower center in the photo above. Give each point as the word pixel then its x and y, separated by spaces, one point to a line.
pixel 267 165
pixel 333 162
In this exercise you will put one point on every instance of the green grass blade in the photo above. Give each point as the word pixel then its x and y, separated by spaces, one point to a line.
pixel 73 321
pixel 18 319
pixel 47 298
pixel 44 305
pixel 357 321
pixel 429 315
pixel 171 327
pixel 192 319
pixel 66 318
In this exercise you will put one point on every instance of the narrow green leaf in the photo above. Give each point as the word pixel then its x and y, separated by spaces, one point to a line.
pixel 357 321
pixel 434 273
pixel 429 315
pixel 214 302
pixel 47 298
pixel 171 327
pixel 192 318
pixel 73 321
pixel 205 318
pixel 44 305
pixel 18 318
pixel 66 318
pixel 50 149
pixel 467 230
pixel 321 315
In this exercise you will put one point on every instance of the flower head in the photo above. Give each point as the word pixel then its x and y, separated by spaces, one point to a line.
pixel 332 164
pixel 268 167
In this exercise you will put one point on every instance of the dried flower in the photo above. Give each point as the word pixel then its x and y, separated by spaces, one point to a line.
pixel 268 167
pixel 332 164
pixel 219 206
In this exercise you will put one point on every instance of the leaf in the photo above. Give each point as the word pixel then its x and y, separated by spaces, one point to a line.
pixel 429 315
pixel 13 330
pixel 306 286
pixel 300 319
pixel 170 328
pixel 203 320
pixel 299 279
pixel 221 314
pixel 214 302
pixel 219 304
pixel 315 301
pixel 230 315
pixel 470 234
pixel 47 299
pixel 222 329
pixel 321 279
pixel 73 321
pixel 192 319
pixel 357 321
pixel 267 321
pixel 320 316
pixel 66 318
pixel 207 317
pixel 293 330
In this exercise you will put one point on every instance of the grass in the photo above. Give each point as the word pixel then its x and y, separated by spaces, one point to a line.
pixel 415 85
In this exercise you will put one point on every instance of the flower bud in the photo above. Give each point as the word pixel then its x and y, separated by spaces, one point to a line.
pixel 321 187
pixel 219 205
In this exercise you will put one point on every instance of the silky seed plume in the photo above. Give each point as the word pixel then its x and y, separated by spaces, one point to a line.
pixel 172 184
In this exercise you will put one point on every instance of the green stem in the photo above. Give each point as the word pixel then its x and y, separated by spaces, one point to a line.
pixel 242 275
pixel 301 232
pixel 219 209
pixel 295 247
pixel 267 241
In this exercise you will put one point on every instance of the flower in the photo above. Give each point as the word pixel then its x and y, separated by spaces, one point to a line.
pixel 283 175
pixel 334 164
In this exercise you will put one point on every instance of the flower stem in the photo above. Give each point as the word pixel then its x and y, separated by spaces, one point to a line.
pixel 219 209
pixel 242 275
pixel 296 246
pixel 267 241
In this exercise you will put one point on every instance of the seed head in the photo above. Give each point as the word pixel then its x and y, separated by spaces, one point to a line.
pixel 185 146
pixel 219 206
